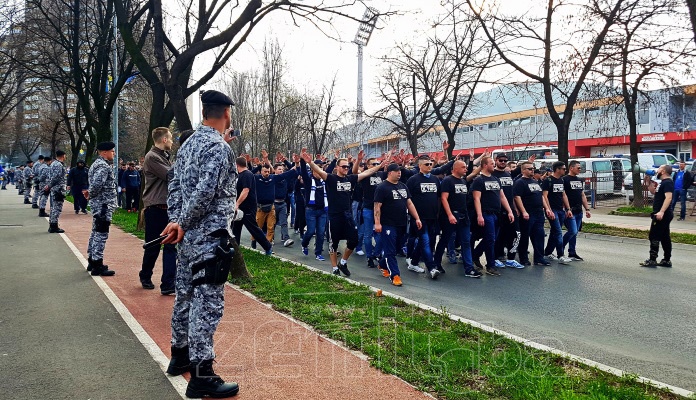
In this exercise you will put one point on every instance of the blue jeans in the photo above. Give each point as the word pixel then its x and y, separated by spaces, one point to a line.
pixel 451 232
pixel 291 196
pixel 532 230
pixel 556 234
pixel 368 233
pixel 569 238
pixel 679 195
pixel 316 225
pixel 487 246
pixel 389 237
pixel 423 247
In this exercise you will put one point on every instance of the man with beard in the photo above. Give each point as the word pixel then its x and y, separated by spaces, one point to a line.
pixel 661 217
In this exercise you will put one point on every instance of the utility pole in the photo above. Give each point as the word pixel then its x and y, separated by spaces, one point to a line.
pixel 114 78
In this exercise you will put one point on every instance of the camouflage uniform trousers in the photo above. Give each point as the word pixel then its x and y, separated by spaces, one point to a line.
pixel 197 310
pixel 56 208
pixel 97 240
pixel 43 198
pixel 37 192
pixel 27 191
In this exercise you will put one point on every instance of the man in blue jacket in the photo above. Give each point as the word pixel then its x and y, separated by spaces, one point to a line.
pixel 130 184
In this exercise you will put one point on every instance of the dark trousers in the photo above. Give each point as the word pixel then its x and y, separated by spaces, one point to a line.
pixel 79 203
pixel 659 234
pixel 426 235
pixel 532 230
pixel 156 220
pixel 487 245
pixel 459 231
pixel 508 237
pixel 132 198
pixel 249 222
pixel 389 237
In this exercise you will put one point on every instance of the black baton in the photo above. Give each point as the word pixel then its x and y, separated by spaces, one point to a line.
pixel 155 242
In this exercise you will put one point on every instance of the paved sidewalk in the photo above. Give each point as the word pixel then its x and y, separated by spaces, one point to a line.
pixel 270 356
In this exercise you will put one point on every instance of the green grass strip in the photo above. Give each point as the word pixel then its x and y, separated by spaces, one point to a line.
pixel 447 358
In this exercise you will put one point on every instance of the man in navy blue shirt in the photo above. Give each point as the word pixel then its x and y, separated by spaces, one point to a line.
pixel 130 184
pixel 682 183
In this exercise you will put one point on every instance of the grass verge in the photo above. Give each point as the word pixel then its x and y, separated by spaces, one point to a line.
pixel 633 211
pixel 449 359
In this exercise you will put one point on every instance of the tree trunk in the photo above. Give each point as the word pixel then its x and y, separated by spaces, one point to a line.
pixel 238 270
pixel 413 144
pixel 638 200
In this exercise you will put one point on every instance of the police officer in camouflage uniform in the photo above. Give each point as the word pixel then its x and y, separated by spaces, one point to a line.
pixel 102 199
pixel 44 176
pixel 37 190
pixel 56 186
pixel 200 206
pixel 28 181
pixel 19 179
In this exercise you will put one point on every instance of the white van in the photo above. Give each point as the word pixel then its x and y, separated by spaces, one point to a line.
pixel 651 162
pixel 605 175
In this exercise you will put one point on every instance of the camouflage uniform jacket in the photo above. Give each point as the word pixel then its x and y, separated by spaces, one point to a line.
pixel 28 174
pixel 202 194
pixel 102 184
pixel 40 174
pixel 56 181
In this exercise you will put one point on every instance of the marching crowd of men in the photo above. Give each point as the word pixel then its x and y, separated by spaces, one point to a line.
pixel 399 205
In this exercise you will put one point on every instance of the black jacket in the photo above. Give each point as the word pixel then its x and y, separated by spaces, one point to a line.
pixel 77 178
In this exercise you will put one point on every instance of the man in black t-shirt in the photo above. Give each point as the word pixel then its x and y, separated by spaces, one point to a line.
pixel 488 199
pixel 530 204
pixel 392 201
pixel 556 199
pixel 425 194
pixel 509 234
pixel 339 191
pixel 575 191
pixel 661 217
pixel 454 217
pixel 246 202
pixel 369 186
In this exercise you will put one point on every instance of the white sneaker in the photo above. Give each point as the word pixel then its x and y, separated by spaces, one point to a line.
pixel 288 243
pixel 360 253
pixel 434 273
pixel 564 260
pixel 416 268
pixel 551 257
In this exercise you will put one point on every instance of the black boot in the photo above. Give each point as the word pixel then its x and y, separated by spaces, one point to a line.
pixel 42 212
pixel 26 201
pixel 90 264
pixel 98 268
pixel 53 228
pixel 180 361
pixel 34 206
pixel 205 383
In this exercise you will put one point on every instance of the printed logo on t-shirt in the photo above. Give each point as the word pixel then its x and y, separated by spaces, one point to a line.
pixel 492 185
pixel 534 187
pixel 505 181
pixel 343 186
pixel 576 185
pixel 399 194
pixel 428 187
pixel 375 180
pixel 460 188
pixel 558 188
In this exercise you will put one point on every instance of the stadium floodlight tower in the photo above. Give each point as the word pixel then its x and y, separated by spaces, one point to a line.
pixel 362 37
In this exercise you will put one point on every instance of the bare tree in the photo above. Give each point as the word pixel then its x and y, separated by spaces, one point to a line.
pixel 407 108
pixel 449 69
pixel 320 117
pixel 171 79
pixel 547 50
pixel 650 44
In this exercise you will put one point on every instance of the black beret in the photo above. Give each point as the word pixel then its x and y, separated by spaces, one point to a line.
pixel 60 153
pixel 393 167
pixel 103 146
pixel 41 157
pixel 29 161
pixel 215 97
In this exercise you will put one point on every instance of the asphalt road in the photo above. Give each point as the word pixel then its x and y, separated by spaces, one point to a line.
pixel 61 337
pixel 606 308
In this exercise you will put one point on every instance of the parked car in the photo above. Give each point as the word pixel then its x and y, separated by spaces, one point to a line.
pixel 602 174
